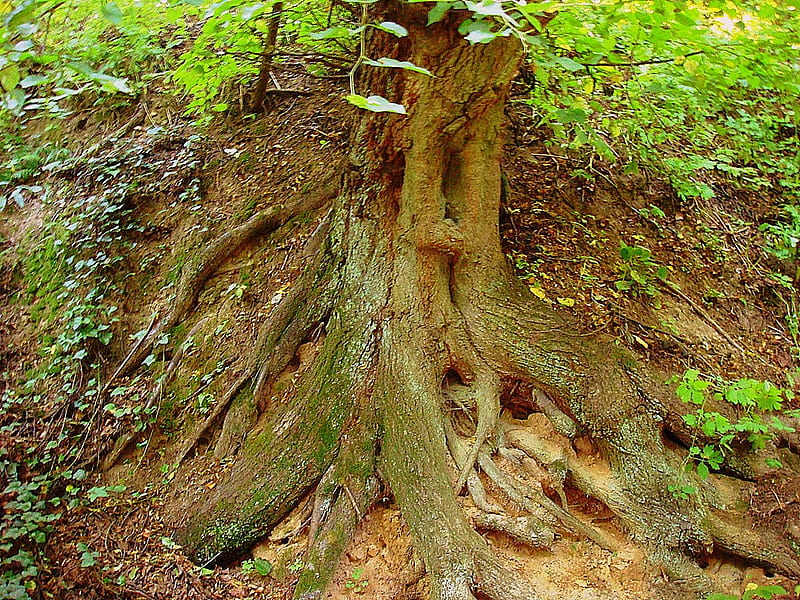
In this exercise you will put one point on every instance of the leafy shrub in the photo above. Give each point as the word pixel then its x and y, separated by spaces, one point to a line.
pixel 757 405
pixel 638 271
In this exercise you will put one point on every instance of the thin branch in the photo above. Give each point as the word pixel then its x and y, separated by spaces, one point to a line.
pixel 652 61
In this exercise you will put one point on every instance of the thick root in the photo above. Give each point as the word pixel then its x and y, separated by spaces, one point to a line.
pixel 343 496
pixel 282 459
pixel 527 530
pixel 414 461
pixel 228 244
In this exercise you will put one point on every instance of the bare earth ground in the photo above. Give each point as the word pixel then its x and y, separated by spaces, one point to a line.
pixel 562 231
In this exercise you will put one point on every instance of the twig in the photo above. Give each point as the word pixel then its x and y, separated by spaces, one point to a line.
pixel 676 291
pixel 652 61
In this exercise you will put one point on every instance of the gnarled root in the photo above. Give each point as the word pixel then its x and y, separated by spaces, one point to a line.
pixel 344 494
pixel 285 456
pixel 195 276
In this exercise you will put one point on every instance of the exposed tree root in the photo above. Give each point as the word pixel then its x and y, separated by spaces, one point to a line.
pixel 528 530
pixel 342 498
pixel 412 290
pixel 228 244
pixel 169 372
pixel 220 408
pixel 754 546
pixel 296 444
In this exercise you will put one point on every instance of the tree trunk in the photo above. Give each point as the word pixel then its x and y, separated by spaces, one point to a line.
pixel 412 311
pixel 265 65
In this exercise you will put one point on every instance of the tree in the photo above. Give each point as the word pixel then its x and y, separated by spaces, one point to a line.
pixel 413 311
pixel 418 332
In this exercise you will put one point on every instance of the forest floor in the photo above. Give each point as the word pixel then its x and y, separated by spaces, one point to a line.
pixel 563 221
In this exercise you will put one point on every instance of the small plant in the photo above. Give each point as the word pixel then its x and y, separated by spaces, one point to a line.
pixel 296 566
pixel 753 401
pixel 355 581
pixel 753 591
pixel 236 290
pixel 652 213
pixel 259 566
pixel 783 238
pixel 638 271
pixel 681 492
pixel 88 558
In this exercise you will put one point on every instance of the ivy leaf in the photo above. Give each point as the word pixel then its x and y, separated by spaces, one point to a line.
pixel 89 559
pixel 375 104
pixel 397 64
pixel 96 492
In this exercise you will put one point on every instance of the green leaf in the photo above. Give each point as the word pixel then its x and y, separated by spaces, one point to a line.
pixel 480 37
pixel 393 28
pixel 262 567
pixel 106 82
pixel 23 46
pixel 375 104
pixel 32 80
pixel 486 8
pixel 702 470
pixel 9 77
pixel 568 63
pixel 397 64
pixel 764 591
pixel 96 492
pixel 573 115
pixel 112 13
pixel 14 101
pixel 438 12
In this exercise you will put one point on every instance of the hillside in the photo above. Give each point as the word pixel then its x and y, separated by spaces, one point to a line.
pixel 179 297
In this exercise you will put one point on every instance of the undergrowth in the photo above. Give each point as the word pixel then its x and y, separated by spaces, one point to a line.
pixel 70 278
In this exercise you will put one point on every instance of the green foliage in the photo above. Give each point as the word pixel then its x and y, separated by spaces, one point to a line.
pixel 638 272
pixel 753 591
pixel 259 566
pixel 692 91
pixel 54 54
pixel 754 416
pixel 783 238
pixel 355 582
pixel 25 159
pixel 226 54
pixel 68 271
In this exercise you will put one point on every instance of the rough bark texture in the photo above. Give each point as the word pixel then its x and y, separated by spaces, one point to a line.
pixel 418 328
